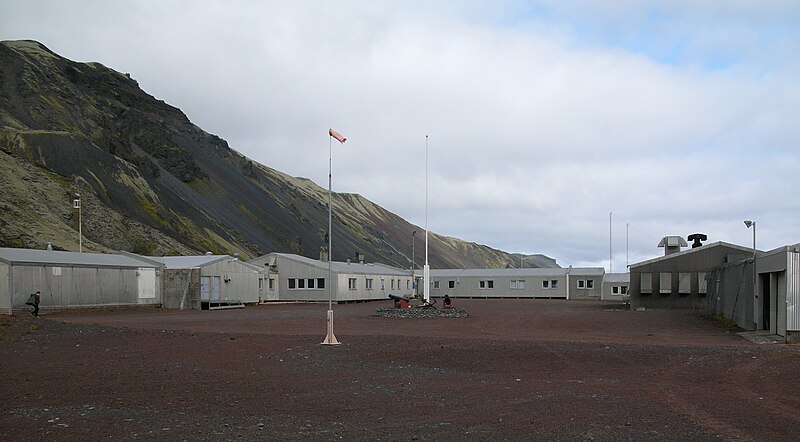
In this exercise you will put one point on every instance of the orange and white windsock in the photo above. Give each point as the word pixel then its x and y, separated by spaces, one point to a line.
pixel 337 135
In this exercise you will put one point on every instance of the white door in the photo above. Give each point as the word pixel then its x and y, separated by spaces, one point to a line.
pixel 205 285
pixel 216 292
pixel 146 283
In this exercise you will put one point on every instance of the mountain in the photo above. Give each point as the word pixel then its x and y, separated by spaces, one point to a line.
pixel 152 182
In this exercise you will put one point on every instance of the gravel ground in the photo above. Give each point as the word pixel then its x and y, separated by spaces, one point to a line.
pixel 512 370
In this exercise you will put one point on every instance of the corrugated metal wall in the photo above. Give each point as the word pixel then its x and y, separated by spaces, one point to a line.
pixel 793 291
pixel 78 286
pixel 730 293
pixel 5 288
pixel 238 282
pixel 469 287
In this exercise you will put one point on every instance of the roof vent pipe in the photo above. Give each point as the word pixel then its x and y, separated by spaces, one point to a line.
pixel 672 244
pixel 697 239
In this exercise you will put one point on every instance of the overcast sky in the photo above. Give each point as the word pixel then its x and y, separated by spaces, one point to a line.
pixel 543 116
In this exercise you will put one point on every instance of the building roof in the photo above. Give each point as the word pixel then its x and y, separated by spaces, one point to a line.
pixel 617 277
pixel 344 267
pixel 71 259
pixel 792 248
pixel 500 273
pixel 705 247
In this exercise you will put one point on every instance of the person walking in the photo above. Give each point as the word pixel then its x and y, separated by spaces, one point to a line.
pixel 36 299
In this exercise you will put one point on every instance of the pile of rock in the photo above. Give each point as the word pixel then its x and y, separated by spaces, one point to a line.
pixel 422 313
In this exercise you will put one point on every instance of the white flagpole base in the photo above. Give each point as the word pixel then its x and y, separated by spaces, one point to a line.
pixel 330 339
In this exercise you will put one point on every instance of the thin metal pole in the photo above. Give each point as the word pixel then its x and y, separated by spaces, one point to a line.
pixel 755 270
pixel 610 255
pixel 627 225
pixel 330 338
pixel 427 270
pixel 330 223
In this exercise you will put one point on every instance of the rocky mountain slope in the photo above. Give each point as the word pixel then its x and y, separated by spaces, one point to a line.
pixel 152 182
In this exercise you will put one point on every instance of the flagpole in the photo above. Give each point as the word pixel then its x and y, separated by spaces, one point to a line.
pixel 426 272
pixel 330 338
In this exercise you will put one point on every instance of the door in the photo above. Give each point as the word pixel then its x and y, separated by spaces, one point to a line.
pixel 146 283
pixel 205 285
pixel 216 292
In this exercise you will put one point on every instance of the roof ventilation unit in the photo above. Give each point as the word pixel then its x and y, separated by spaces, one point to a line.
pixel 697 239
pixel 672 244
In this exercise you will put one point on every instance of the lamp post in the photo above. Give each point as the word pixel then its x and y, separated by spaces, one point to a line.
pixel 413 265
pixel 521 261
pixel 752 224
pixel 413 237
pixel 76 204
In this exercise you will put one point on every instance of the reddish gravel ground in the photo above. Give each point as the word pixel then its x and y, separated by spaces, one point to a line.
pixel 513 370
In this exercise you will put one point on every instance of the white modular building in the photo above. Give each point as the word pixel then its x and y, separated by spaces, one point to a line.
pixel 564 283
pixel 71 279
pixel 209 281
pixel 297 278
pixel 615 287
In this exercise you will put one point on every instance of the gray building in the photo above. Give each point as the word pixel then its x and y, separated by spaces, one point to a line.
pixel 566 283
pixel 615 286
pixel 684 280
pixel 719 279
pixel 209 281
pixel 70 279
pixel 297 278
pixel 777 307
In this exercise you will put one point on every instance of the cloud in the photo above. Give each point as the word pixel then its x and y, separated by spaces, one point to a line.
pixel 543 116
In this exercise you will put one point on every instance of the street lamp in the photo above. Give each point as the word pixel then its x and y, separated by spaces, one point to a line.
pixel 413 265
pixel 76 204
pixel 752 224
pixel 413 236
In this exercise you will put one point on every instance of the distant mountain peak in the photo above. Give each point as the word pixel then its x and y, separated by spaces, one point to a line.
pixel 153 183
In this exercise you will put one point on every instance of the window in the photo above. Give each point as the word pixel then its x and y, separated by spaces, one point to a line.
pixel 291 283
pixel 484 285
pixel 351 284
pixel 590 283
pixel 615 289
pixel 436 284
pixel 392 284
pixel 368 284
pixel 581 283
pixel 545 284
pixel 301 283
pixel 665 283
pixel 408 284
pixel 320 283
pixel 684 283
pixel 451 284
pixel 271 284
pixel 553 283
pixel 646 283
pixel 624 289
pixel 518 284
pixel 310 283
pixel 260 283
pixel 383 284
